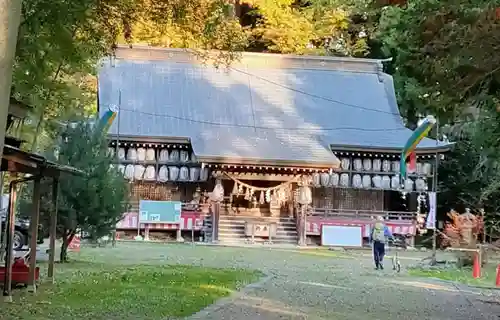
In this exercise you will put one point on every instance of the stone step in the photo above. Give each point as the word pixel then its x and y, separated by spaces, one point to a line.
pixel 241 241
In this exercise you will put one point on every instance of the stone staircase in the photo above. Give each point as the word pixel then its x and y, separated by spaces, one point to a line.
pixel 232 230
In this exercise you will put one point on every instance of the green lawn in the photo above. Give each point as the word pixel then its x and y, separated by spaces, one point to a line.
pixel 463 275
pixel 90 290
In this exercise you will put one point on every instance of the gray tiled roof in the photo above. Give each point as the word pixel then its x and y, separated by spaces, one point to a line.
pixel 254 112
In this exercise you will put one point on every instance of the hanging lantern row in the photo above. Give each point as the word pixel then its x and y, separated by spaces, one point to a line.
pixel 164 174
pixel 366 181
pixel 377 155
pixel 379 165
pixel 151 154
pixel 150 145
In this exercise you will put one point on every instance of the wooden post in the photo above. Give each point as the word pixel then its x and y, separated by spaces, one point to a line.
pixel 53 230
pixel 34 235
pixel 7 284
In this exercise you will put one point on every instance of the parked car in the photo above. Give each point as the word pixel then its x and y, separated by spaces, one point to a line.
pixel 21 231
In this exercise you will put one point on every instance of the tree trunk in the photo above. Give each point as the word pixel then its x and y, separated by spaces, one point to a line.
pixel 67 238
pixel 10 17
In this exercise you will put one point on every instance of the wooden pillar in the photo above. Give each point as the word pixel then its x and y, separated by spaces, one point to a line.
pixel 53 230
pixel 7 284
pixel 35 214
pixel 215 221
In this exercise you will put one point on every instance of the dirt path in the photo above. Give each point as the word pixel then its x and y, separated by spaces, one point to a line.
pixel 304 286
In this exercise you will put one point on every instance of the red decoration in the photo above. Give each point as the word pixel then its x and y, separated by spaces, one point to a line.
pixel 412 165
pixel 497 282
pixel 75 244
pixel 476 268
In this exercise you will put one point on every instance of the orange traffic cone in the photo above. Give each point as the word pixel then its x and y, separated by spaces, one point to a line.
pixel 497 282
pixel 476 267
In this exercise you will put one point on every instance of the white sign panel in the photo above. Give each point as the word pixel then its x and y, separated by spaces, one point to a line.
pixel 342 236
pixel 431 217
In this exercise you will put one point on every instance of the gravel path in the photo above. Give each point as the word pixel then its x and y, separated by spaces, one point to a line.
pixel 308 286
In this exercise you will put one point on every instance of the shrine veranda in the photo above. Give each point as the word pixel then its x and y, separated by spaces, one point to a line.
pixel 264 174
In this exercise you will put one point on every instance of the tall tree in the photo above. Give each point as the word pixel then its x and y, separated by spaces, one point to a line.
pixel 10 13
pixel 94 202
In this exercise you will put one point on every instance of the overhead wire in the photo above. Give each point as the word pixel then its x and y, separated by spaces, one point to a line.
pixel 236 125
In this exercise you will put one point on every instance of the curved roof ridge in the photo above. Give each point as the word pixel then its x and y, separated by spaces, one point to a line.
pixel 271 60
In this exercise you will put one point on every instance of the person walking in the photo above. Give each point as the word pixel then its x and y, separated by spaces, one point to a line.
pixel 379 235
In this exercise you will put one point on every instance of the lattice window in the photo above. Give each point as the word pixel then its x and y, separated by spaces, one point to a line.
pixel 353 199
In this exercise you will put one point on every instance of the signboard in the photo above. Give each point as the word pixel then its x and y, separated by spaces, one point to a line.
pixel 159 211
pixel 342 236
pixel 431 217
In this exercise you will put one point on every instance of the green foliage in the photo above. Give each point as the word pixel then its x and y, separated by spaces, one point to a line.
pixel 94 202
pixel 318 27
pixel 445 55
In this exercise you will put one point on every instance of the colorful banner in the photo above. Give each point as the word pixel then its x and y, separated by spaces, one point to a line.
pixel 108 117
pixel 430 223
pixel 421 132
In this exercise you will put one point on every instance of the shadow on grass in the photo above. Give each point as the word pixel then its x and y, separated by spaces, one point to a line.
pixel 99 291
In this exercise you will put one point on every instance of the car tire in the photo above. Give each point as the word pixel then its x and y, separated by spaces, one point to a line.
pixel 19 240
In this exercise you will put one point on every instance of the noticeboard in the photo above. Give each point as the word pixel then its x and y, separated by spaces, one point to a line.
pixel 160 211
pixel 342 236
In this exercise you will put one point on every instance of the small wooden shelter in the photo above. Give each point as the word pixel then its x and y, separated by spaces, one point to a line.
pixel 34 168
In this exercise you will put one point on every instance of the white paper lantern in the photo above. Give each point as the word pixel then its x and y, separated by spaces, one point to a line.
pixel 305 195
pixel 377 165
pixel 150 154
pixel 345 163
pixel 409 184
pixel 121 154
pixel 129 171
pixel 173 173
pixel 174 156
pixel 377 181
pixel 163 174
pixel 184 156
pixel 184 174
pixel 141 154
pixel 367 181
pixel 427 170
pixel 132 154
pixel 420 184
pixel 367 164
pixel 357 182
pixel 194 174
pixel 334 179
pixel 324 179
pixel 395 182
pixel 164 155
pixel 396 166
pixel 386 166
pixel 150 174
pixel 139 172
pixel 316 180
pixel 386 182
pixel 121 168
pixel 344 180
pixel 204 173
pixel 358 164
pixel 217 194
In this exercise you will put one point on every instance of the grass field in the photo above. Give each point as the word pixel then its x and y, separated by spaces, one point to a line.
pixel 464 275
pixel 90 288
